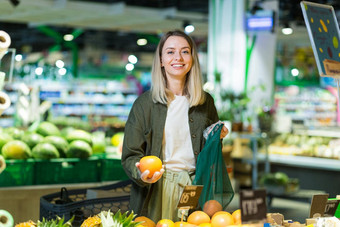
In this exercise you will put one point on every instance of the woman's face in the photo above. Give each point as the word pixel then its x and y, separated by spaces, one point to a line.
pixel 176 57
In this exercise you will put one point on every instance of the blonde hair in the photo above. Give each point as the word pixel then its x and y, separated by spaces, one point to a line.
pixel 193 87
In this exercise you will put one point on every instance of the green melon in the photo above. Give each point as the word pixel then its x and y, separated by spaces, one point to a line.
pixel 59 142
pixel 4 138
pixel 79 149
pixel 46 128
pixel 16 149
pixel 45 151
pixel 14 132
pixel 79 134
pixel 32 139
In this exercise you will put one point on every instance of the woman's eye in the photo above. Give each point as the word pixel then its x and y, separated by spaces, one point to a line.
pixel 170 52
pixel 185 52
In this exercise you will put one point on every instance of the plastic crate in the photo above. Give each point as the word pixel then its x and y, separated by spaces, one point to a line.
pixel 17 173
pixel 67 170
pixel 82 208
pixel 111 169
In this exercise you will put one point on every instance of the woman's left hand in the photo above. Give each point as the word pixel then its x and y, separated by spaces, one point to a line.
pixel 224 132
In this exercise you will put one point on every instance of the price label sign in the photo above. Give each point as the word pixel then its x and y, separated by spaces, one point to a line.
pixel 317 208
pixel 331 207
pixel 253 206
pixel 190 196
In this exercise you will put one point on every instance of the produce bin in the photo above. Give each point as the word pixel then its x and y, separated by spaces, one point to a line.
pixel 17 173
pixel 111 169
pixel 67 170
pixel 74 203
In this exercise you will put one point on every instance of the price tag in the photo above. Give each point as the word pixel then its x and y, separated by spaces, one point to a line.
pixel 317 208
pixel 331 207
pixel 190 196
pixel 253 206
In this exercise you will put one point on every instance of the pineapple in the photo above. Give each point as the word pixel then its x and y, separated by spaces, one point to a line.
pixel 59 222
pixel 108 219
pixel 93 221
pixel 26 224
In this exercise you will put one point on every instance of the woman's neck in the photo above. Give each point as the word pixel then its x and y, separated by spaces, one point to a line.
pixel 176 86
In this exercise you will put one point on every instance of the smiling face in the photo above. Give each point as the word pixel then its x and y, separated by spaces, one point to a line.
pixel 176 57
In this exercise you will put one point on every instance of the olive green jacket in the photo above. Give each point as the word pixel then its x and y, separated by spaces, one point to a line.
pixel 144 135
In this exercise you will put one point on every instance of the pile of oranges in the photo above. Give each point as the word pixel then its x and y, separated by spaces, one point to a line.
pixel 207 218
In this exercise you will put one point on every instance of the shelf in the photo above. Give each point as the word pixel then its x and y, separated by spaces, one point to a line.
pixel 303 161
pixel 325 132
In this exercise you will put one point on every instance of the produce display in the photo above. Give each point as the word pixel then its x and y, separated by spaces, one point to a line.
pixel 63 152
pixel 304 145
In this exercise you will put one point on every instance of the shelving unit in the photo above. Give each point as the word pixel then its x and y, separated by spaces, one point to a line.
pixel 311 106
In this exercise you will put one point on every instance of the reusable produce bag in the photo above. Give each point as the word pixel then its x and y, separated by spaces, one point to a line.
pixel 211 171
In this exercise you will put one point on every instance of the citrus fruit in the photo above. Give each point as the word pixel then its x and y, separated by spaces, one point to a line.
pixel 165 223
pixel 211 207
pixel 205 225
pixel 198 217
pixel 145 221
pixel 117 139
pixel 222 219
pixel 183 224
pixel 151 163
pixel 237 217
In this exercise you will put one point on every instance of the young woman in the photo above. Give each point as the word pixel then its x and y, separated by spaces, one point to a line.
pixel 168 121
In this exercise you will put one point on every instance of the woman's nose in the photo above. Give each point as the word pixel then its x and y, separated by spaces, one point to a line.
pixel 178 56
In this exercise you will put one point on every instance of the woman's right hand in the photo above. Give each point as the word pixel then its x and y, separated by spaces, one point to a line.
pixel 144 176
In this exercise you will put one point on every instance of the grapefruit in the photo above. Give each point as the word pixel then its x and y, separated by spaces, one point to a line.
pixel 165 223
pixel 222 219
pixel 145 221
pixel 198 217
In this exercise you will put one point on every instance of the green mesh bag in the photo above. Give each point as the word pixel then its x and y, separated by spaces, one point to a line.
pixel 211 171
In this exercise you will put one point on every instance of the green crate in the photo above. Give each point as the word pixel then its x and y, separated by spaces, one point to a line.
pixel 67 170
pixel 17 173
pixel 112 169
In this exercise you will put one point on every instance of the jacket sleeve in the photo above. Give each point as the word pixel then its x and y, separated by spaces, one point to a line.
pixel 212 109
pixel 134 143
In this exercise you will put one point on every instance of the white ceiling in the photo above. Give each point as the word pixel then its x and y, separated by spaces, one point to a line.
pixel 101 16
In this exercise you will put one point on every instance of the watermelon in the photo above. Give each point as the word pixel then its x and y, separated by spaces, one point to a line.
pixel 79 149
pixel 98 142
pixel 46 128
pixel 79 134
pixel 45 151
pixel 16 149
pixel 32 139
pixel 59 142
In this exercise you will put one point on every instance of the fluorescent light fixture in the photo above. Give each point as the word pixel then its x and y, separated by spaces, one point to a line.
pixel 294 72
pixel 189 28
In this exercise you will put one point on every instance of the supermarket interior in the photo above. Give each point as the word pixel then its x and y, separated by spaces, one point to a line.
pixel 71 70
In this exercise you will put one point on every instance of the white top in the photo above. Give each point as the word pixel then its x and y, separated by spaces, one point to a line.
pixel 177 148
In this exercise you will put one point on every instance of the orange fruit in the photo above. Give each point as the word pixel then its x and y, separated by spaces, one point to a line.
pixel 211 207
pixel 205 225
pixel 165 223
pixel 184 224
pixel 146 221
pixel 237 217
pixel 151 163
pixel 222 219
pixel 198 217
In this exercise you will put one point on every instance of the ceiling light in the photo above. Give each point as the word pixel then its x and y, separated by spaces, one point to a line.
pixel 68 37
pixel 142 42
pixel 62 71
pixel 287 30
pixel 188 27
pixel 39 71
pixel 18 57
pixel 294 72
pixel 59 63
pixel 132 59
pixel 129 67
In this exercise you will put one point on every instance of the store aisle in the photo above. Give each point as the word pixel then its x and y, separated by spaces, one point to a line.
pixel 292 210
